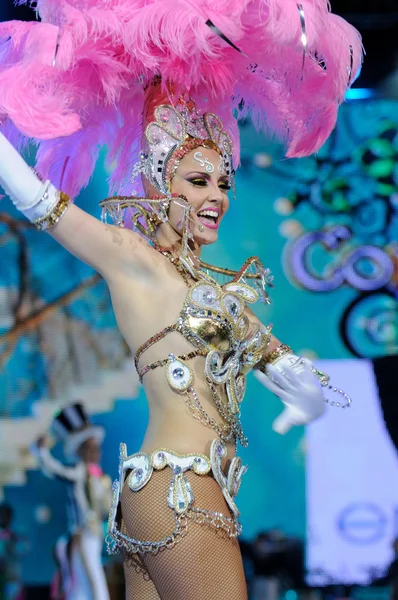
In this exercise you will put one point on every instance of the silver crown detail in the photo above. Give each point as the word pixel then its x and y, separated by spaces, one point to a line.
pixel 172 130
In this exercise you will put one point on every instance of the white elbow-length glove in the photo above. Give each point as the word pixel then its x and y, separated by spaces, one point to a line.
pixel 31 196
pixel 292 380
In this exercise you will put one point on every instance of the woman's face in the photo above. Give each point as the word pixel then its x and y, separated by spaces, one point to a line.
pixel 201 179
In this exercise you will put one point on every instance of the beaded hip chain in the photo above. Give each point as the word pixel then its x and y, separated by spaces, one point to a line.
pixel 136 471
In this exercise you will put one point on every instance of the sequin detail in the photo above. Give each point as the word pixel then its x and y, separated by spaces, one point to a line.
pixel 180 499
pixel 213 321
pixel 177 130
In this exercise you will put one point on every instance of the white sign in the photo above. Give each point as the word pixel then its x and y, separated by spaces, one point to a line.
pixel 352 483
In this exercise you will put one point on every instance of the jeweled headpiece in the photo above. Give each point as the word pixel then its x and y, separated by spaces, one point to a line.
pixel 173 132
pixel 170 132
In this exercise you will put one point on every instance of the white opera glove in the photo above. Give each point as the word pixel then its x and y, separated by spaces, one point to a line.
pixel 31 196
pixel 291 379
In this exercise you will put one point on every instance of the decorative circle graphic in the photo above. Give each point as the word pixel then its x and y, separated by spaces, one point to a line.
pixel 362 523
pixel 369 324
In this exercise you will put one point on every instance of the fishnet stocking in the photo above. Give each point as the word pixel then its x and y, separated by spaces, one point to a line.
pixel 203 565
pixel 139 585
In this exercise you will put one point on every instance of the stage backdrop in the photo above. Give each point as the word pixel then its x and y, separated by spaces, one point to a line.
pixel 327 227
pixel 352 480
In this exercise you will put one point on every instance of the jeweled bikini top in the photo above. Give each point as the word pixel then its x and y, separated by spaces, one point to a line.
pixel 213 320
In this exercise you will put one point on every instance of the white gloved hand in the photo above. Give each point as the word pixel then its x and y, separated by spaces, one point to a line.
pixel 29 195
pixel 292 380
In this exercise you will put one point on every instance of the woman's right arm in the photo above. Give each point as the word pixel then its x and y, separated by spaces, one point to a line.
pixel 106 248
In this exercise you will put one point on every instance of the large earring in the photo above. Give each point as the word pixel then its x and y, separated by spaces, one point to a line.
pixel 186 256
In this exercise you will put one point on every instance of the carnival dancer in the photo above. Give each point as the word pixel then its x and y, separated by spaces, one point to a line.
pixel 160 83
pixel 78 553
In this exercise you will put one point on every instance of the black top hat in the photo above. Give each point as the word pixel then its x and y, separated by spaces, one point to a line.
pixel 73 427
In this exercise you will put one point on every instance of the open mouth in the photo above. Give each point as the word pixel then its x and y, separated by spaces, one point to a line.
pixel 209 218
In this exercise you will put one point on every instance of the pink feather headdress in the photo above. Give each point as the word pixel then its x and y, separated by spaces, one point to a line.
pixel 76 81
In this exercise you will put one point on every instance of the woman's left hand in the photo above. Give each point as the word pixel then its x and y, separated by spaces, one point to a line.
pixel 292 380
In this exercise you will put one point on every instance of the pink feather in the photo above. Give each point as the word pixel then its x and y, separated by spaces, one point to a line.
pixel 74 81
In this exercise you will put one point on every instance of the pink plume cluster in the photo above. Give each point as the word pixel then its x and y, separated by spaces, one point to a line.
pixel 74 81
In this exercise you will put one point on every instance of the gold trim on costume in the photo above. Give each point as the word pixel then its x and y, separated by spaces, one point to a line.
pixel 54 215
pixel 274 356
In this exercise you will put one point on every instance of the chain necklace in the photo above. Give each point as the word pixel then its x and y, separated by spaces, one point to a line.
pixel 175 261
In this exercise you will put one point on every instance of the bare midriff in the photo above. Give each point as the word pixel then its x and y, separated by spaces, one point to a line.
pixel 144 309
pixel 171 424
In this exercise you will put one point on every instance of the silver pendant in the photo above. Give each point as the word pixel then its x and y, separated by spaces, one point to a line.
pixel 178 374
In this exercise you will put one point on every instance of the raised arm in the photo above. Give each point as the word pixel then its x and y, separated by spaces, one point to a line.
pixel 104 247
pixel 107 248
pixel 53 467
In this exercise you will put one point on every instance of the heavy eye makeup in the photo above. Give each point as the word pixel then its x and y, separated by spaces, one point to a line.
pixel 203 179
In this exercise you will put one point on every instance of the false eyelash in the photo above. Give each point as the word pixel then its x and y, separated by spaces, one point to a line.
pixel 199 182
pixel 225 187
